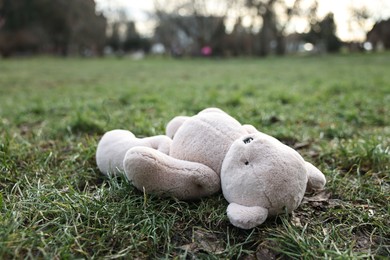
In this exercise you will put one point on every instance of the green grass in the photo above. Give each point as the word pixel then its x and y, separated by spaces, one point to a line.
pixel 54 203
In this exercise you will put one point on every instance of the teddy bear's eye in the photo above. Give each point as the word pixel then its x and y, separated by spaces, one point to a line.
pixel 246 162
pixel 247 140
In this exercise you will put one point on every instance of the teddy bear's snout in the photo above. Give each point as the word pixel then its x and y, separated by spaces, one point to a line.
pixel 247 140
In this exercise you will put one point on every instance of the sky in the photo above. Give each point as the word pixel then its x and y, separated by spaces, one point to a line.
pixel 347 29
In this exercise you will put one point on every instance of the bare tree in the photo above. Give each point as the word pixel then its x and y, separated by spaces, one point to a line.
pixel 323 34
pixel 203 22
pixel 276 16
pixel 200 22
pixel 50 25
pixel 361 20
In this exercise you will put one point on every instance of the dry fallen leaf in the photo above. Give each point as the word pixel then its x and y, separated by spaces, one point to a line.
pixel 204 240
pixel 319 197
pixel 296 221
pixel 301 145
pixel 264 251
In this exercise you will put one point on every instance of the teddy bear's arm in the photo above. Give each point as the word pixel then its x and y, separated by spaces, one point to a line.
pixel 114 144
pixel 246 217
pixel 316 179
pixel 155 172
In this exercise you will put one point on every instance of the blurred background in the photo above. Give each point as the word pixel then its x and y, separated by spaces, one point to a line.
pixel 192 28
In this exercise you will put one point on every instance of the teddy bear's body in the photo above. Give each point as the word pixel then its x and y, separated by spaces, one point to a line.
pixel 259 175
pixel 206 138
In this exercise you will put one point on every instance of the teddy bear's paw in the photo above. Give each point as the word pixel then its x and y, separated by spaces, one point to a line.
pixel 246 217
pixel 316 179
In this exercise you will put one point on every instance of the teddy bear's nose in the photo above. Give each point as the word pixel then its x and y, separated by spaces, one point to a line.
pixel 247 140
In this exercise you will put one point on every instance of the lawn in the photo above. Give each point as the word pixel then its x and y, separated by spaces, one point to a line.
pixel 54 203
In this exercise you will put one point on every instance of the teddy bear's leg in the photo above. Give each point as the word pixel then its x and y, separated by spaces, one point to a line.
pixel 114 144
pixel 246 217
pixel 316 179
pixel 174 125
pixel 156 172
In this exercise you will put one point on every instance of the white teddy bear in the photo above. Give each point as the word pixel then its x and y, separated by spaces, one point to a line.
pixel 259 175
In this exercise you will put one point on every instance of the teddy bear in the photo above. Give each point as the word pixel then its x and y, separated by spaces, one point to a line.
pixel 211 151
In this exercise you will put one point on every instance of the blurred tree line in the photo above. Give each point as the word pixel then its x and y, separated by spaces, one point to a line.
pixel 51 26
pixel 184 27
pixel 260 27
pixel 123 36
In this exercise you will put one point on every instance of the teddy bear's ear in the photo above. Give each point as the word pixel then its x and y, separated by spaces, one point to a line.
pixel 250 129
pixel 316 179
pixel 211 110
pixel 174 125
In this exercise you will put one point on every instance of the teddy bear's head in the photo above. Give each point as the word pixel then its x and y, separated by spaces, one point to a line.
pixel 259 170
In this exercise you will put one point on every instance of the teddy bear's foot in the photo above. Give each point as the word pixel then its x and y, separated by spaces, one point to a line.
pixel 246 217
pixel 156 172
pixel 114 145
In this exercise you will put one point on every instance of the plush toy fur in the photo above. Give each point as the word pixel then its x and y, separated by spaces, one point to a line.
pixel 259 175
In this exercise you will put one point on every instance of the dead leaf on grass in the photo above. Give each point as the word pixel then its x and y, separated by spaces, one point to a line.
pixel 301 145
pixel 264 251
pixel 319 197
pixel 333 203
pixel 204 240
pixel 296 221
pixel 265 254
